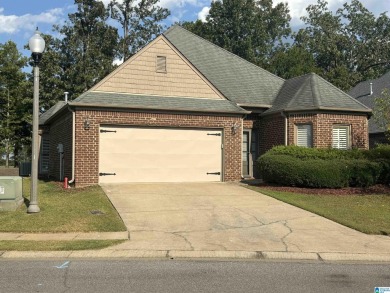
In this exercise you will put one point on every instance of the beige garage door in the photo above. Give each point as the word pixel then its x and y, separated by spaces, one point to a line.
pixel 131 154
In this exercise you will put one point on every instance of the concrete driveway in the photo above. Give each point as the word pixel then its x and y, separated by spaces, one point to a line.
pixel 227 216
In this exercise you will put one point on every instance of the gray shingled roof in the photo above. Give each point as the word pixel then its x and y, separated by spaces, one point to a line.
pixel 362 93
pixel 312 92
pixel 49 113
pixel 237 79
pixel 118 100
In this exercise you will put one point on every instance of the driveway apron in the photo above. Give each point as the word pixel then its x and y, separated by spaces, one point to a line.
pixel 227 216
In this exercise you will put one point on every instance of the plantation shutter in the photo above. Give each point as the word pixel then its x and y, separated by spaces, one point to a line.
pixel 161 64
pixel 304 135
pixel 340 137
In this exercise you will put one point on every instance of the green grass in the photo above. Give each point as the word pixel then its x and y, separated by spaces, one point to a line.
pixel 366 213
pixel 19 245
pixel 63 210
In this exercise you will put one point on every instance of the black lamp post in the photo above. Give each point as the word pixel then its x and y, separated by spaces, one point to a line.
pixel 37 46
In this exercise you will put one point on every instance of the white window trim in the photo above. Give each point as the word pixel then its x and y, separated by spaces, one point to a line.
pixel 341 130
pixel 302 129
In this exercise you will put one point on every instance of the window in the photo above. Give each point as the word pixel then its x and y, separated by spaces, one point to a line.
pixel 161 64
pixel 340 136
pixel 44 156
pixel 305 135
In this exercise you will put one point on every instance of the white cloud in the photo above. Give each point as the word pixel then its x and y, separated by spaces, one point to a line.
pixel 203 13
pixel 11 24
pixel 298 7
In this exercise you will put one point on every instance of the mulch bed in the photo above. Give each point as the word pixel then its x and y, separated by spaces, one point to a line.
pixel 376 189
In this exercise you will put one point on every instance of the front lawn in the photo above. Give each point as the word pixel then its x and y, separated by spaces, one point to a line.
pixel 64 210
pixel 366 213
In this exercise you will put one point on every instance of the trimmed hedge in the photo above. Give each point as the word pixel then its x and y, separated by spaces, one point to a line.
pixel 287 170
pixel 325 168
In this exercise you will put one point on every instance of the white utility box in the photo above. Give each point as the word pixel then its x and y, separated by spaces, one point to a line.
pixel 11 192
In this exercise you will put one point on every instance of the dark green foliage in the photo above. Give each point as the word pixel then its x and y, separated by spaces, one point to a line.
pixel 315 153
pixel 141 23
pixel 88 47
pixel 251 29
pixel 363 173
pixel 291 171
pixel 319 168
pixel 381 155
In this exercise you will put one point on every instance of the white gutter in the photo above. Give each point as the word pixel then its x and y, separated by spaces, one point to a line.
pixel 73 143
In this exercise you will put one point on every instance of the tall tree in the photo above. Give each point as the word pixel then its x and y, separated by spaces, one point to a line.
pixel 140 20
pixel 348 46
pixel 253 30
pixel 293 61
pixel 324 38
pixel 88 46
pixel 14 99
pixel 369 39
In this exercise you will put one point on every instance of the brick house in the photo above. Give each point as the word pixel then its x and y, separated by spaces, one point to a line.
pixel 366 92
pixel 183 109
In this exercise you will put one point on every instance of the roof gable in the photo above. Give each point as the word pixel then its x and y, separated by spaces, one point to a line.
pixel 312 92
pixel 141 75
pixel 237 79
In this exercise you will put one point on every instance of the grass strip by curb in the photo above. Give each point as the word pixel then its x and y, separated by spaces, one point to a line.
pixel 18 245
pixel 64 210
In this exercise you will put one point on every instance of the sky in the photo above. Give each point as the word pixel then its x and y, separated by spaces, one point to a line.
pixel 19 18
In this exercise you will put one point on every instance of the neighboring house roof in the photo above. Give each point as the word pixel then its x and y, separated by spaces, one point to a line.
pixel 237 79
pixel 363 89
pixel 118 100
pixel 50 112
pixel 312 92
pixel 362 92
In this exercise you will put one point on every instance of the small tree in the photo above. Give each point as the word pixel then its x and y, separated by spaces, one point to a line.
pixel 381 112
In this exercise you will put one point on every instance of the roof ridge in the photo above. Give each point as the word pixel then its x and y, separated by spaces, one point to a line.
pixel 315 91
pixel 220 48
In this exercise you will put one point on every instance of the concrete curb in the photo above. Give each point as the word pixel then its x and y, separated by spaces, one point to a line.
pixel 191 254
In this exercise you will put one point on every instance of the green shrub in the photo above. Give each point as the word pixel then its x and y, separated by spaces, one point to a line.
pixel 380 152
pixel 320 168
pixel 363 173
pixel 315 153
pixel 287 170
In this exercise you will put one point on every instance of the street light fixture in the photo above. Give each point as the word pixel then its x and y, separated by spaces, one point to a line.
pixel 37 46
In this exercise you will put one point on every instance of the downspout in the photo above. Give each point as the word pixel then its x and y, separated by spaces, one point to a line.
pixel 285 128
pixel 73 143
pixel 73 137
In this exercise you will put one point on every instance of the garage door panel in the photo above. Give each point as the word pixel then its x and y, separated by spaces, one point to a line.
pixel 167 161
pixel 159 154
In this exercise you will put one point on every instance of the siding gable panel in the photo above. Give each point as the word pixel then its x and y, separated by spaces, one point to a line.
pixel 139 75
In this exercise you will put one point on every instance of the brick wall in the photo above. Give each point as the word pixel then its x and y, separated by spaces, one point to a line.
pixel 271 132
pixel 87 141
pixel 323 125
pixel 61 132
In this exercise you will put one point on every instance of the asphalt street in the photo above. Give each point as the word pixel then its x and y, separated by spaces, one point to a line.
pixel 105 275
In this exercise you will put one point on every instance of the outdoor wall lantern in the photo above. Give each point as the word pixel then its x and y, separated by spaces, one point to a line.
pixel 86 124
pixel 235 127
pixel 37 46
